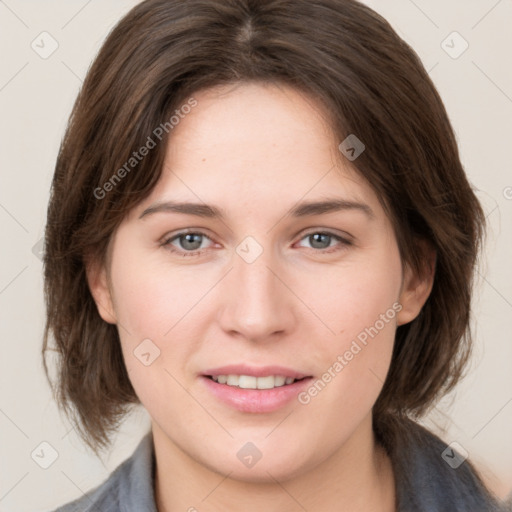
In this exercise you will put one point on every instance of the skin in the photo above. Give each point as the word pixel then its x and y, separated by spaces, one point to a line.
pixel 298 305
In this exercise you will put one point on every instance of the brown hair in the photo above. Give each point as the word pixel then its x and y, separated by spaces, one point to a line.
pixel 372 84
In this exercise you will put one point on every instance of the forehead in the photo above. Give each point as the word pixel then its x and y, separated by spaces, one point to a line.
pixel 256 145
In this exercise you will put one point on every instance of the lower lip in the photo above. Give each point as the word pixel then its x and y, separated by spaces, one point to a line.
pixel 256 400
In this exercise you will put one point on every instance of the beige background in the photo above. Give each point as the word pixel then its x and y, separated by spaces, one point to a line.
pixel 36 96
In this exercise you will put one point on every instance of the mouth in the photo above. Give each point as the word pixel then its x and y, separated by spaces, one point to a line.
pixel 253 382
pixel 255 390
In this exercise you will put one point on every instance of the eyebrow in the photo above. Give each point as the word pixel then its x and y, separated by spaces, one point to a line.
pixel 303 209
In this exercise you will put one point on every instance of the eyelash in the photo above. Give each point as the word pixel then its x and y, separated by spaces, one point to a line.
pixel 167 242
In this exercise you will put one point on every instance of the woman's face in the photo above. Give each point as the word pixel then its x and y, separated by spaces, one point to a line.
pixel 256 284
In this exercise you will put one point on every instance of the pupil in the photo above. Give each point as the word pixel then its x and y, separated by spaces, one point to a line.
pixel 190 243
pixel 317 242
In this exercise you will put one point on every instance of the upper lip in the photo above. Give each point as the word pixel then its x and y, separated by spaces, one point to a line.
pixel 254 371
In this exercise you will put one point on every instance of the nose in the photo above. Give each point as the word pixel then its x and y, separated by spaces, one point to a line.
pixel 257 305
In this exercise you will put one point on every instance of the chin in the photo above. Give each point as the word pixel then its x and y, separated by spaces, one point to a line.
pixel 262 466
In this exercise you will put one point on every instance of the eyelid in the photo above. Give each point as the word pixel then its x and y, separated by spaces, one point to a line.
pixel 170 237
pixel 328 231
pixel 344 241
pixel 165 241
pixel 185 231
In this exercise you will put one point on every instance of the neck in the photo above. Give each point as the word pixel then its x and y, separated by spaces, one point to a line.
pixel 358 475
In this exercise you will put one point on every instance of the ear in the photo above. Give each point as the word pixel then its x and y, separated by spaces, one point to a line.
pixel 416 287
pixel 98 282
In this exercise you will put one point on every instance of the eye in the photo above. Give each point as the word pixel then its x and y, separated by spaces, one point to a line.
pixel 193 243
pixel 323 240
pixel 190 243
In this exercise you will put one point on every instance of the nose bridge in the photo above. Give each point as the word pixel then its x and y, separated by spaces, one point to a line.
pixel 257 282
pixel 257 304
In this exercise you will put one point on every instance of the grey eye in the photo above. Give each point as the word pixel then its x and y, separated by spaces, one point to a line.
pixel 320 240
pixel 190 241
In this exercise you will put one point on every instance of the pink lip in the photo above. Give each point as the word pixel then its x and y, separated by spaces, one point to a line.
pixel 254 371
pixel 255 400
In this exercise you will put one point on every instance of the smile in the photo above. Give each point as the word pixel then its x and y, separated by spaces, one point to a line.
pixel 254 389
pixel 252 382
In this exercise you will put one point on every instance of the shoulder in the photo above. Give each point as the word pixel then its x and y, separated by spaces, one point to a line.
pixel 129 487
pixel 433 476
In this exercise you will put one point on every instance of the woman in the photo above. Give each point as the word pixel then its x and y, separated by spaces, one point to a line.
pixel 260 230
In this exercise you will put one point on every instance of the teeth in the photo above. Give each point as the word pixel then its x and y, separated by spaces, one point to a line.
pixel 280 380
pixel 247 382
pixel 251 382
pixel 266 382
pixel 232 380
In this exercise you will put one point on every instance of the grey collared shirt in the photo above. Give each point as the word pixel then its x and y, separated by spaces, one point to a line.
pixel 425 481
pixel 129 488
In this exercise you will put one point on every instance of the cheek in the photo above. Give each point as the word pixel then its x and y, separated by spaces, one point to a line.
pixel 152 305
pixel 353 298
pixel 152 297
pixel 354 364
pixel 360 304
